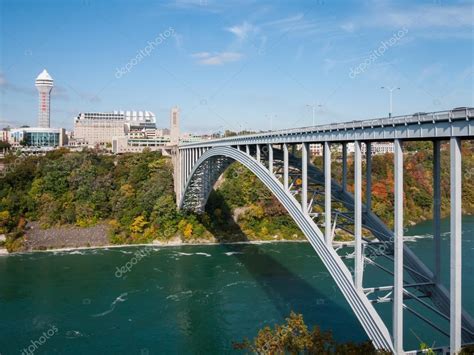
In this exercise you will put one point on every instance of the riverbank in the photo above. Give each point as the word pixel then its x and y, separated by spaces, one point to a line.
pixel 154 244
pixel 70 238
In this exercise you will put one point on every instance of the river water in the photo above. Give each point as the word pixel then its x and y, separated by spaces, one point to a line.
pixel 189 299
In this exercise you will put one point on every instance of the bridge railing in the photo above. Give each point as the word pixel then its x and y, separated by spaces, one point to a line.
pixel 420 117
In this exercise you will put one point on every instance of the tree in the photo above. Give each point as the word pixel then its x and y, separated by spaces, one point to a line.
pixel 293 337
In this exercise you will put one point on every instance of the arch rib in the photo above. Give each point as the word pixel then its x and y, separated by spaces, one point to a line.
pixel 363 309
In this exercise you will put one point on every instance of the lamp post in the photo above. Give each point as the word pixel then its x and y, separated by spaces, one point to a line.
pixel 314 110
pixel 271 117
pixel 390 90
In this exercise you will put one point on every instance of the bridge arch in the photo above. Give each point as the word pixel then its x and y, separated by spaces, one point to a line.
pixel 205 172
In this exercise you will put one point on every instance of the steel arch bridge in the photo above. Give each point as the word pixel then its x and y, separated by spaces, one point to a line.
pixel 303 190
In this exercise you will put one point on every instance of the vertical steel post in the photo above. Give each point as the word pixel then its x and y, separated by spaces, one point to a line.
pixel 189 163
pixel 455 247
pixel 304 178
pixel 270 158
pixel 183 171
pixel 247 149
pixel 398 251
pixel 368 176
pixel 358 261
pixel 178 176
pixel 258 152
pixel 437 208
pixel 344 166
pixel 327 193
pixel 186 157
pixel 285 166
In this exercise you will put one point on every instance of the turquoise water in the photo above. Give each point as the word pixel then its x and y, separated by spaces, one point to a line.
pixel 190 299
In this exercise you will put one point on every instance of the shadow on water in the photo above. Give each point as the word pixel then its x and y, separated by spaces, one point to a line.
pixel 284 288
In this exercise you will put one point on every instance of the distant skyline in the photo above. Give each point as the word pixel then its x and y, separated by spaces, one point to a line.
pixel 236 64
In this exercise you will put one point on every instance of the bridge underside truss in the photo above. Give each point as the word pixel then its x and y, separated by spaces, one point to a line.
pixel 324 209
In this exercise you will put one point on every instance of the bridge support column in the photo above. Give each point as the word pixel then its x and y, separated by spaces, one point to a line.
pixel 456 232
pixel 257 146
pixel 304 178
pixel 185 165
pixel 183 170
pixel 437 208
pixel 344 166
pixel 327 193
pixel 358 260
pixel 247 149
pixel 270 158
pixel 189 163
pixel 398 251
pixel 368 176
pixel 285 166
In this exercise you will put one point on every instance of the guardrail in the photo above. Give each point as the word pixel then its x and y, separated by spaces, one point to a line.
pixel 417 118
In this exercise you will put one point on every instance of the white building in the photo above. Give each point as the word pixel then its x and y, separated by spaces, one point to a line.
pixel 99 128
pixel 44 84
pixel 128 144
pixel 4 135
pixel 376 148
pixel 379 148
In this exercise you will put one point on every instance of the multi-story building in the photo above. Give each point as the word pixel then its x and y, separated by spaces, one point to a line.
pixel 379 148
pixel 135 144
pixel 376 148
pixel 99 128
pixel 38 137
pixel 4 135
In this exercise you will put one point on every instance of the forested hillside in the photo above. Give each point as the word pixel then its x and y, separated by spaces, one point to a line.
pixel 134 195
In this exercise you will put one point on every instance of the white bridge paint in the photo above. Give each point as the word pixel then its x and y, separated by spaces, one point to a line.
pixel 338 270
pixel 198 165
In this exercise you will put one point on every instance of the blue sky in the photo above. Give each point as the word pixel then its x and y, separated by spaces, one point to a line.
pixel 235 64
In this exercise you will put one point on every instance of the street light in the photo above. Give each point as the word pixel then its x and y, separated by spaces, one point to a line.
pixel 391 97
pixel 271 117
pixel 314 110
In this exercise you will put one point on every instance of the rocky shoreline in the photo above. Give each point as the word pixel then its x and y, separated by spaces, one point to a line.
pixel 69 238
pixel 65 237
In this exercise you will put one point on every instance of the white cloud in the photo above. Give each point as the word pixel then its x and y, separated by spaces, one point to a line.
pixel 426 17
pixel 348 27
pixel 242 31
pixel 201 55
pixel 206 58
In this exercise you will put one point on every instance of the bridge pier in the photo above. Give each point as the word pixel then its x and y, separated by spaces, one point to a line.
pixel 270 158
pixel 327 193
pixel 456 232
pixel 368 178
pixel 358 257
pixel 304 178
pixel 285 166
pixel 398 250
pixel 257 148
pixel 437 208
